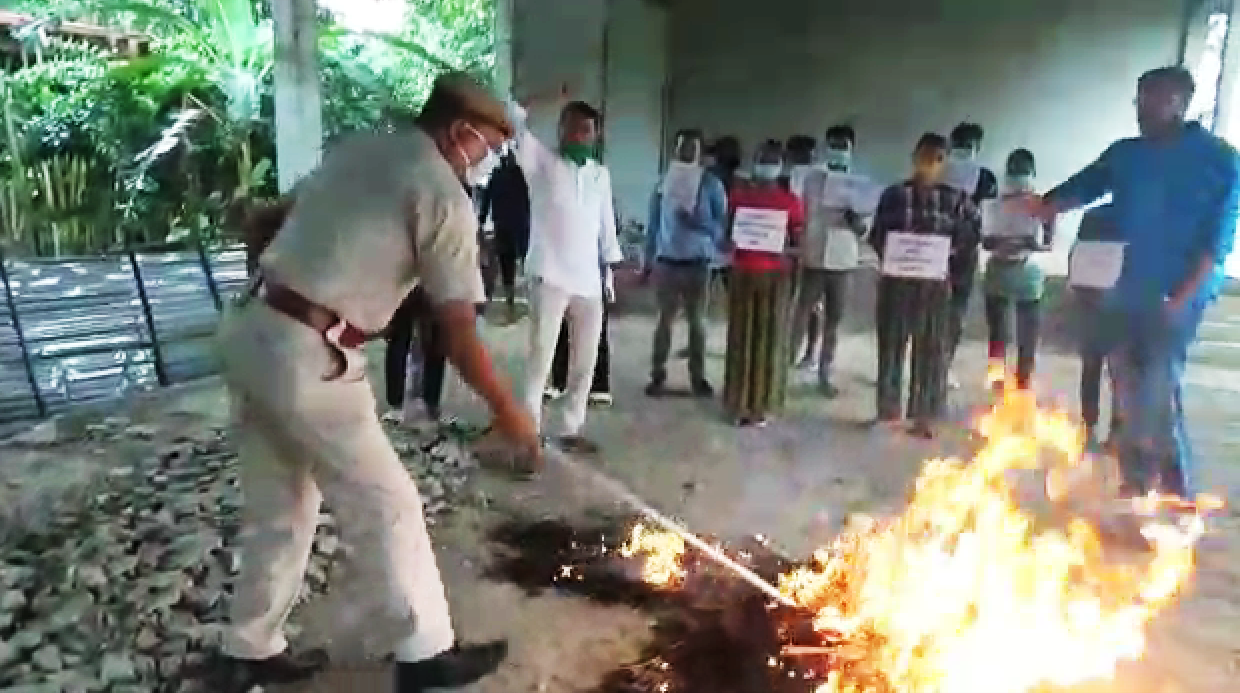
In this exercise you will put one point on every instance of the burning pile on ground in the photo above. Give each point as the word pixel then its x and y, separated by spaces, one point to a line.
pixel 976 588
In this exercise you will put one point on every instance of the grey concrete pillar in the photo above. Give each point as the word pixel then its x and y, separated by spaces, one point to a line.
pixel 1225 105
pixel 298 98
pixel 503 45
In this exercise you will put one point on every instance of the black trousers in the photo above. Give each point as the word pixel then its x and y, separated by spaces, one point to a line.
pixel 508 272
pixel 916 312
pixel 1028 324
pixel 414 329
pixel 602 367
pixel 961 291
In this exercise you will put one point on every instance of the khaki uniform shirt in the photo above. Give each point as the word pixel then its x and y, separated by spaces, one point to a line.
pixel 383 213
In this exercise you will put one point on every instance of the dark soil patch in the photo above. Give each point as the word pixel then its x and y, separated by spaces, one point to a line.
pixel 712 634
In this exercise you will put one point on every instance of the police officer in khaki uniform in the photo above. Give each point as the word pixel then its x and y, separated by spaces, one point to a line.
pixel 384 212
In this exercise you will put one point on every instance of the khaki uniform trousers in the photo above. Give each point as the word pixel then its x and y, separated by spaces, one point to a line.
pixel 304 439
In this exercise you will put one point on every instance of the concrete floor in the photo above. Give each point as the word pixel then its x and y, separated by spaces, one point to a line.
pixel 789 482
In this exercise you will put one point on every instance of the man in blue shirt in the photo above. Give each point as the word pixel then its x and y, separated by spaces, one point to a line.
pixel 1175 198
pixel 680 246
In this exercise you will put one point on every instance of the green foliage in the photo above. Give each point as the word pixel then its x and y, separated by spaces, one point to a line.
pixel 100 150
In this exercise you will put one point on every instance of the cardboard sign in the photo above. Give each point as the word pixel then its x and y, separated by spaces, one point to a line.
pixel 962 175
pixel 1095 264
pixel 916 256
pixel 763 230
pixel 681 184
pixel 1009 218
pixel 850 191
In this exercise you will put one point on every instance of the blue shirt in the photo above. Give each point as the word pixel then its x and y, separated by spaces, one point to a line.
pixel 1174 202
pixel 669 237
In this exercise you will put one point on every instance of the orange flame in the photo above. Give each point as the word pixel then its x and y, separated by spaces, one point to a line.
pixel 662 553
pixel 971 590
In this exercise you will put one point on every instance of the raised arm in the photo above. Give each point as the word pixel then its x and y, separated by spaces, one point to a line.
pixel 530 151
pixel 1088 185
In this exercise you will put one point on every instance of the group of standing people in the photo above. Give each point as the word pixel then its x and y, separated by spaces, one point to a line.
pixel 787 293
pixel 1143 269
pixel 387 212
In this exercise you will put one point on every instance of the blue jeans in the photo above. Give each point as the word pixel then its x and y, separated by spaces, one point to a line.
pixel 1149 362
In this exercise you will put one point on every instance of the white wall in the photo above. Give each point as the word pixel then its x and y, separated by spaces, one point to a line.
pixel 614 52
pixel 635 77
pixel 553 42
pixel 1056 76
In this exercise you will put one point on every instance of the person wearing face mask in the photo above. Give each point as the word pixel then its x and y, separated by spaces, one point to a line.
pixel 1012 279
pixel 572 236
pixel 759 291
pixel 830 253
pixel 1175 195
pixel 681 245
pixel 383 212
pixel 914 299
pixel 966 145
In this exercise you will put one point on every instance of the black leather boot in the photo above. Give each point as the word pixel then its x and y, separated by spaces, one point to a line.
pixel 458 667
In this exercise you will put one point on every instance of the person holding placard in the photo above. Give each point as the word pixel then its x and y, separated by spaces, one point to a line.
pixel 1012 279
pixel 966 146
pixel 1096 332
pixel 681 244
pixel 766 225
pixel 1175 194
pixel 918 224
pixel 836 206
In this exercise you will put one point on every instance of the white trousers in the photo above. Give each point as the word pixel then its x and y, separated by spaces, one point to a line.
pixel 304 439
pixel 549 307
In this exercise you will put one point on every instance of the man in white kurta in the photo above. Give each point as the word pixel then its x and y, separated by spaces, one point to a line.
pixel 383 212
pixel 572 237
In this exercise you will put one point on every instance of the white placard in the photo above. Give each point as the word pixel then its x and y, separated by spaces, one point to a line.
pixel 916 255
pixel 764 230
pixel 1095 264
pixel 1009 218
pixel 850 191
pixel 962 175
pixel 681 184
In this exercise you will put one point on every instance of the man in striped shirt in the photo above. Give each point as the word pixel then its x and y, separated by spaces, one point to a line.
pixel 915 304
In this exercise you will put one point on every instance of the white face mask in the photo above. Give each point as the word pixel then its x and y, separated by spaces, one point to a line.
pixel 767 172
pixel 1022 182
pixel 708 161
pixel 477 173
pixel 838 159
